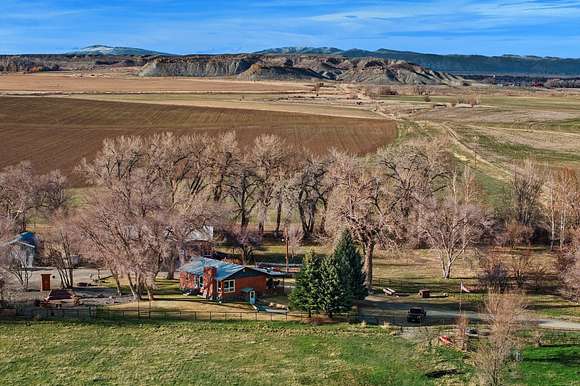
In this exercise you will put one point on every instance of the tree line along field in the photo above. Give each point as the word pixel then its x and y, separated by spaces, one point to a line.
pixel 56 133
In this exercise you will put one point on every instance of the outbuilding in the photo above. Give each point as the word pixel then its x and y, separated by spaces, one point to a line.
pixel 23 248
pixel 219 280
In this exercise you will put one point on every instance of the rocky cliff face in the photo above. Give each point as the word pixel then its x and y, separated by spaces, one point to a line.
pixel 199 65
pixel 298 67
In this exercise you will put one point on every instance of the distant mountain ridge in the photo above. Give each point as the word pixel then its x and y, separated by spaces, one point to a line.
pixel 456 64
pixel 102 50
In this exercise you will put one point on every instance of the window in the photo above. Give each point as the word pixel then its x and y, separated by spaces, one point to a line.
pixel 229 286
pixel 199 281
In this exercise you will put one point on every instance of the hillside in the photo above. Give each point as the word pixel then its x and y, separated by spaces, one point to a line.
pixel 456 64
pixel 298 67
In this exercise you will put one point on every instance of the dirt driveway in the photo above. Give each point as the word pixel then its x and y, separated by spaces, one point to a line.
pixel 383 306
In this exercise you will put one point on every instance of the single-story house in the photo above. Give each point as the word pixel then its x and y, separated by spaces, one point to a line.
pixel 215 279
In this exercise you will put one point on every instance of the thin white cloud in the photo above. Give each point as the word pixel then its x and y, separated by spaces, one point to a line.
pixel 468 14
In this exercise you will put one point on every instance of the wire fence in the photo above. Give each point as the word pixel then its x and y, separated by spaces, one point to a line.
pixel 102 313
pixel 379 317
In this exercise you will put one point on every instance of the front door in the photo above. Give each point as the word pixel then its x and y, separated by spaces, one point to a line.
pixel 45 282
pixel 252 297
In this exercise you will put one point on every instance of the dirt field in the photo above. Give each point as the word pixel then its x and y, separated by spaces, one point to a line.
pixel 126 83
pixel 294 103
pixel 58 132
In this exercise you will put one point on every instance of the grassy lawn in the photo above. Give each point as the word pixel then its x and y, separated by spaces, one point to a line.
pixel 58 353
pixel 552 365
pixel 252 353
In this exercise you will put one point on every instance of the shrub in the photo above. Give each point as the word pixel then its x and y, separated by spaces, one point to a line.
pixel 472 100
pixel 494 273
pixel 379 91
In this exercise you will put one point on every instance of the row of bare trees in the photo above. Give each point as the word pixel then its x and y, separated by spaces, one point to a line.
pixel 150 194
pixel 408 195
pixel 545 198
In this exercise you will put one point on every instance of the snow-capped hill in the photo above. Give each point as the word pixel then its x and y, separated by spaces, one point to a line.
pixel 103 50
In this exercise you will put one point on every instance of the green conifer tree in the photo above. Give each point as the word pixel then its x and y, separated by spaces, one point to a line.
pixel 335 293
pixel 306 293
pixel 352 262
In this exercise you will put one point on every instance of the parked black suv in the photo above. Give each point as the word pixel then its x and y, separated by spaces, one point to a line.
pixel 416 315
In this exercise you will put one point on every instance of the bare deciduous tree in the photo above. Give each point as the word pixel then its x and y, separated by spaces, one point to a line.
pixel 308 191
pixel 62 247
pixel 506 313
pixel 182 162
pixel 461 337
pixel 51 192
pixel 562 208
pixel 14 261
pixel 527 184
pixel 359 203
pixel 494 273
pixel 571 280
pixel 23 193
pixel 414 172
pixel 520 267
pixel 270 158
pixel 294 236
pixel 244 240
pixel 452 225
pixel 515 234
pixel 18 193
pixel 224 156
pixel 241 187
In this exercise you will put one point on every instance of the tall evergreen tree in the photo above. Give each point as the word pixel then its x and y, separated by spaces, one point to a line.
pixel 351 262
pixel 335 293
pixel 306 294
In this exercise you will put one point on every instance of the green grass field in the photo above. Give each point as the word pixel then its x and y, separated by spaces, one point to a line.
pixel 176 353
pixel 552 365
pixel 252 353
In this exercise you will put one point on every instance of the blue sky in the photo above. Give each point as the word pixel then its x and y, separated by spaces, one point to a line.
pixel 544 27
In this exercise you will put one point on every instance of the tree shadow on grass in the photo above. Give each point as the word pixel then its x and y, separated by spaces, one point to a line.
pixel 443 373
pixel 561 358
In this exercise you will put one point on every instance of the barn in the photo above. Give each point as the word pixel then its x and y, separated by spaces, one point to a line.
pixel 215 279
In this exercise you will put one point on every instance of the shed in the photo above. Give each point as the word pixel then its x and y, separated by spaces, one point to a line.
pixel 23 248
pixel 199 242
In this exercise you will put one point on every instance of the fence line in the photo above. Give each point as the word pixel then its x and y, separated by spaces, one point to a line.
pixel 101 313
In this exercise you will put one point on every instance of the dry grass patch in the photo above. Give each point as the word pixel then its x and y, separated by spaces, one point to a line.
pixel 120 83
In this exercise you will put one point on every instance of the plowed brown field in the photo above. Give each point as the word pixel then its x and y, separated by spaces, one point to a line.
pixel 56 133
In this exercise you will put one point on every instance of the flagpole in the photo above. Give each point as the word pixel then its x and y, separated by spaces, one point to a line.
pixel 460 293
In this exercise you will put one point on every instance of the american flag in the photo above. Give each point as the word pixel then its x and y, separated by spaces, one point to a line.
pixel 463 288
